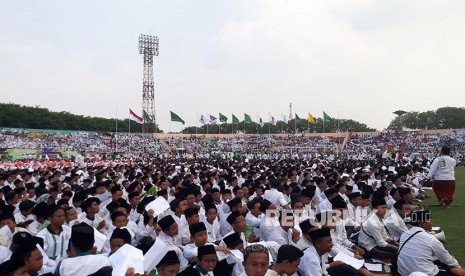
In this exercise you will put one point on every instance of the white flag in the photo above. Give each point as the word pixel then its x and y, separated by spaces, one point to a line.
pixel 211 119
pixel 272 119
pixel 202 119
pixel 259 120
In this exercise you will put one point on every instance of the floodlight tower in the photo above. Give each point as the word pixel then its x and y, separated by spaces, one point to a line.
pixel 148 46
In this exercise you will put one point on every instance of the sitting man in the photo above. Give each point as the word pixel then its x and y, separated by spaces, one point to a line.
pixel 373 235
pixel 418 249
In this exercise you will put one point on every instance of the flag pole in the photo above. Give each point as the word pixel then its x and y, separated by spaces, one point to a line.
pixel 308 126
pixel 116 129
pixel 129 142
pixel 295 125
pixel 338 131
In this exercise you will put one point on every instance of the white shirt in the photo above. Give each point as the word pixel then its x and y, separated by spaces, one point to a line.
pixel 34 227
pixel 312 264
pixel 420 252
pixel 5 253
pixel 83 265
pixel 442 168
pixel 281 236
pixel 94 223
pixel 276 197
pixel 395 225
pixel 267 225
pixel 324 206
pixel 20 218
pixel 303 243
pixel 374 227
pixel 213 230
pixel 340 239
pixel 56 245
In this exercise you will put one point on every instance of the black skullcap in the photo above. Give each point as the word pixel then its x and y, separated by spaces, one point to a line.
pixel 232 217
pixel 121 233
pixel 197 227
pixel 17 258
pixel 404 191
pixel 83 234
pixel 226 191
pixel 20 238
pixel 40 210
pixel 141 206
pixel 209 206
pixel 162 192
pixel 234 202
pixel 8 213
pixel 329 192
pixel 166 222
pixel 354 195
pixel 99 184
pixel 319 233
pixel 170 258
pixel 398 205
pixel 116 214
pixel 377 202
pixel 338 186
pixel 289 253
pixel 366 195
pixel 307 193
pixel 208 249
pixel 208 199
pixel 264 205
pixel 88 202
pixel 339 204
pixel 232 240
pixel 79 196
pixel 306 225
pixel 191 211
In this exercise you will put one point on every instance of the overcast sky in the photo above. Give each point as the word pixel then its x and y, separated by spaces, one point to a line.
pixel 361 59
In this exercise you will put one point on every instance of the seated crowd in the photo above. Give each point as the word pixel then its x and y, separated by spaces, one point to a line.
pixel 260 217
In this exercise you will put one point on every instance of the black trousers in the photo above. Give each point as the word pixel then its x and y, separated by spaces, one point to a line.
pixel 383 252
pixel 342 270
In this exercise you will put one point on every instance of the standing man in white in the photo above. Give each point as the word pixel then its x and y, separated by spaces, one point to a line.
pixel 442 171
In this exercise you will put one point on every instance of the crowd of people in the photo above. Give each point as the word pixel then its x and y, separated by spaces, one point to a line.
pixel 300 146
pixel 267 214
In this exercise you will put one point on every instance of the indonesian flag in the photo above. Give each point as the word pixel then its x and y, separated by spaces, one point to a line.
pixel 133 116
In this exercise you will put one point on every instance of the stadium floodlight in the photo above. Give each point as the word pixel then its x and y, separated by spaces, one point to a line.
pixel 148 47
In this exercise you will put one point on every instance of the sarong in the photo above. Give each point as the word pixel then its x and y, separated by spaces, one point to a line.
pixel 444 190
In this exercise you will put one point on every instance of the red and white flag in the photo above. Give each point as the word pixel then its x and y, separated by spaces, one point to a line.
pixel 133 116
pixel 272 119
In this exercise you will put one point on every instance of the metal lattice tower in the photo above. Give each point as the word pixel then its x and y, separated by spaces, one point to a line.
pixel 148 46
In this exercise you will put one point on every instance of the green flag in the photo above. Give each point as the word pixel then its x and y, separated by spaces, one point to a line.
pixel 326 117
pixel 223 118
pixel 147 118
pixel 247 118
pixel 297 118
pixel 234 119
pixel 176 118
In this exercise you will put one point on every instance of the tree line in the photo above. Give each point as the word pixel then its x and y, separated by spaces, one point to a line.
pixel 18 116
pixel 441 118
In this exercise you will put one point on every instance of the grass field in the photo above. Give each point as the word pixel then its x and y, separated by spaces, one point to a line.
pixel 452 221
